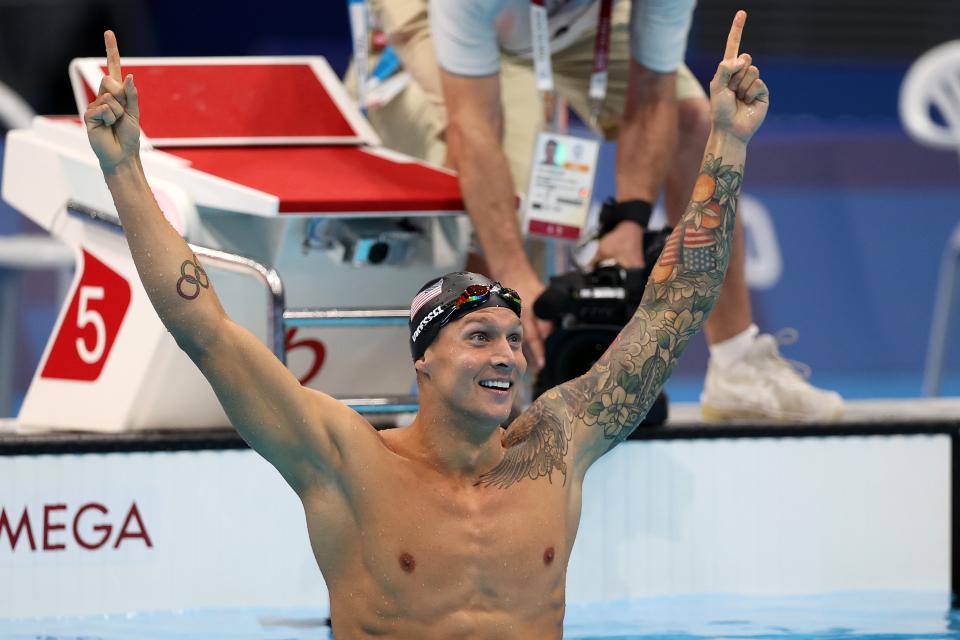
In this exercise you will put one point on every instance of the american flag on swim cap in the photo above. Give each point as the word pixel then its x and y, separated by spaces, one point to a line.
pixel 425 296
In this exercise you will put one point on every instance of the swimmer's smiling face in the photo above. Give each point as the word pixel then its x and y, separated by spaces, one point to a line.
pixel 476 363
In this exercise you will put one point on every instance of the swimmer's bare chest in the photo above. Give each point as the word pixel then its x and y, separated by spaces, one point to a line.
pixel 421 547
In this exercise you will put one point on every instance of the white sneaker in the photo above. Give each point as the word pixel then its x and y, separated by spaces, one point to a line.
pixel 763 384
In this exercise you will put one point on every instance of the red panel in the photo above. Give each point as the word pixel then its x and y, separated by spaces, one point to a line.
pixel 91 92
pixel 554 230
pixel 67 119
pixel 235 101
pixel 91 324
pixel 329 178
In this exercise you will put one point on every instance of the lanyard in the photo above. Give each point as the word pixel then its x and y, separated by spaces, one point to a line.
pixel 540 37
pixel 601 55
pixel 358 33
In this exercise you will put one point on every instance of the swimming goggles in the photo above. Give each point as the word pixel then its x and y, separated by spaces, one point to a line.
pixel 476 295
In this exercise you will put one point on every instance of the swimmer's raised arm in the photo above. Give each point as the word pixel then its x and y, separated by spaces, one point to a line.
pixel 591 414
pixel 685 282
pixel 296 429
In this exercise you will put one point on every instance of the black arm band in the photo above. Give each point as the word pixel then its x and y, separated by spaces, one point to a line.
pixel 613 213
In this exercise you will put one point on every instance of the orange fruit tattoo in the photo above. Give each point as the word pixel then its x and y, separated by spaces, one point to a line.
pixel 703 188
pixel 660 272
pixel 708 221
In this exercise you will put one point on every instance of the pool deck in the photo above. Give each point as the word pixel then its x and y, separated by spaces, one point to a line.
pixel 862 418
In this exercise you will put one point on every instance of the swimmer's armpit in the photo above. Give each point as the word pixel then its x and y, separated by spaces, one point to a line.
pixel 192 279
pixel 683 287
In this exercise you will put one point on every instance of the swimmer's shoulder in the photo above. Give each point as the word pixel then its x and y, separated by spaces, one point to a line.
pixel 333 424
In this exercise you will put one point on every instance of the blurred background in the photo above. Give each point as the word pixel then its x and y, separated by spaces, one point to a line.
pixel 854 215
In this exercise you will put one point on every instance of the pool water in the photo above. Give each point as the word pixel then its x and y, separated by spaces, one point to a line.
pixel 875 615
pixel 885 615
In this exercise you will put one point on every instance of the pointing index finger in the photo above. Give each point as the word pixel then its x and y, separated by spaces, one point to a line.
pixel 733 40
pixel 113 55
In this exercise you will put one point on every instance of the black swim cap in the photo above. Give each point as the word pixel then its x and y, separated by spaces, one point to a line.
pixel 434 305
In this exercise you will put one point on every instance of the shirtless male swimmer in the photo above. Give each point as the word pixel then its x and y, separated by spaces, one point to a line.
pixel 453 527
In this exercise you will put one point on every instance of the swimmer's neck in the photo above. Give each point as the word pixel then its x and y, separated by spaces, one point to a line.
pixel 452 445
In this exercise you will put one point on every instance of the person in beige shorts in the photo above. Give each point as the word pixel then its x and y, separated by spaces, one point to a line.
pixel 661 129
pixel 415 121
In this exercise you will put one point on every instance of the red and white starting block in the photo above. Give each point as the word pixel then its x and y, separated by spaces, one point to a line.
pixel 314 236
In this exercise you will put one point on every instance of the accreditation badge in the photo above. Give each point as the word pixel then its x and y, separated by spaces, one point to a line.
pixel 561 185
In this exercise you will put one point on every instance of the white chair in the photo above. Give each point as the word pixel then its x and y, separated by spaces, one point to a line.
pixel 930 112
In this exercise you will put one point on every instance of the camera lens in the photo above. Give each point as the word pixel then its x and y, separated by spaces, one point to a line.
pixel 378 252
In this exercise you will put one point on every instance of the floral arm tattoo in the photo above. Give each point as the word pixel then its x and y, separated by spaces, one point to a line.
pixel 615 395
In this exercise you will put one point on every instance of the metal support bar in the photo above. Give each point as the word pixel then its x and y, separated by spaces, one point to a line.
pixel 358 318
pixel 350 317
pixel 387 404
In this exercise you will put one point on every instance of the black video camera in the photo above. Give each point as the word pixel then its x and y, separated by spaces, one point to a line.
pixel 588 311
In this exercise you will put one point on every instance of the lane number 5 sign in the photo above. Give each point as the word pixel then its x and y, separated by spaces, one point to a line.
pixel 93 319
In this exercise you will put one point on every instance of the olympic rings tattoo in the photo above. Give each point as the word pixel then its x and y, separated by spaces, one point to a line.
pixel 197 278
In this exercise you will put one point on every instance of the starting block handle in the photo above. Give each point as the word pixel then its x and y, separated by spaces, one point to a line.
pixel 269 277
pixel 342 317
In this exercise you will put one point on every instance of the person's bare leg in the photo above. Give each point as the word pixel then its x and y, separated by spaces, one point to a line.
pixel 732 315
